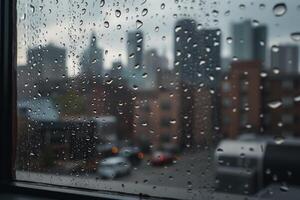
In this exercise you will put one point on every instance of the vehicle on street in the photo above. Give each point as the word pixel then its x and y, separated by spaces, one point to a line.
pixel 113 167
pixel 160 158
pixel 132 154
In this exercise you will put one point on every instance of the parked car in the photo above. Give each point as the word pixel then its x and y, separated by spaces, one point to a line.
pixel 114 167
pixel 133 154
pixel 160 158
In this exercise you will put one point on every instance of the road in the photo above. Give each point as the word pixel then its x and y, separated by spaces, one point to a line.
pixel 191 177
pixel 191 171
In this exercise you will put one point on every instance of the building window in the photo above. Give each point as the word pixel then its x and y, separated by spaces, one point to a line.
pixel 165 122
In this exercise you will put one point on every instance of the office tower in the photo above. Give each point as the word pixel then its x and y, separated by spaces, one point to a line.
pixel 249 42
pixel 185 51
pixel 209 57
pixel 286 59
pixel 259 46
pixel 92 59
pixel 154 65
pixel 135 60
pixel 47 62
pixel 197 53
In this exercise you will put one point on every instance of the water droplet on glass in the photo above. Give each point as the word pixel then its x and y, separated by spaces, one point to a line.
pixel 279 139
pixel 295 36
pixel 262 6
pixel 229 40
pixel 279 9
pixel 118 13
pixel 284 188
pixel 297 99
pixel 275 48
pixel 242 6
pixel 106 24
pixel 138 24
pixel 102 3
pixel 275 104
pixel 145 75
pixel 144 11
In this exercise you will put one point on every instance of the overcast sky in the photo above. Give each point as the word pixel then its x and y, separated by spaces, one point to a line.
pixel 70 23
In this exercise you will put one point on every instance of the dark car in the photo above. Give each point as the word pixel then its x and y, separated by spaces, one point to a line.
pixel 133 154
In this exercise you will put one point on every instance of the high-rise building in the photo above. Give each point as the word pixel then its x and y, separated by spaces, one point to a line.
pixel 209 45
pixel 286 59
pixel 260 42
pixel 135 60
pixel 185 55
pixel 47 62
pixel 154 65
pixel 197 53
pixel 249 42
pixel 92 59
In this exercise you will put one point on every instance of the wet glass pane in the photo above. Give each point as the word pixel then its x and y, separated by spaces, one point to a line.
pixel 180 99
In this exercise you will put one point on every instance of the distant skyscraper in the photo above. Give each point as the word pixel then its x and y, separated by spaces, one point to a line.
pixel 92 59
pixel 135 59
pixel 47 62
pixel 197 53
pixel 243 40
pixel 186 61
pixel 286 59
pixel 249 43
pixel 259 46
pixel 209 43
pixel 153 64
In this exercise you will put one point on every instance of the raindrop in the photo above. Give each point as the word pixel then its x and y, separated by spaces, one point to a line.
pixel 215 13
pixel 275 48
pixel 102 3
pixel 162 6
pixel 145 75
pixel 242 6
pixel 178 28
pixel 284 188
pixel 109 81
pixel 295 36
pixel 279 139
pixel 229 40
pixel 32 8
pixel 173 121
pixel 297 99
pixel 144 12
pixel 138 24
pixel 262 6
pixel 227 13
pixel 274 104
pixel 279 9
pixel 135 87
pixel 106 24
pixel 118 13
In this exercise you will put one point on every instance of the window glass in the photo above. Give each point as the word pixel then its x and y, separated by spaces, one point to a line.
pixel 180 99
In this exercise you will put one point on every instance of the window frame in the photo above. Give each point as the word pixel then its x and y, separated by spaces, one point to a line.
pixel 8 125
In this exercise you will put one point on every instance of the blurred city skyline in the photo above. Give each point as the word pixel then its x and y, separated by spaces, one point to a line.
pixel 59 26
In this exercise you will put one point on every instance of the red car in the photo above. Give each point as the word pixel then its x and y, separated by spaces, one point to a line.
pixel 162 158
